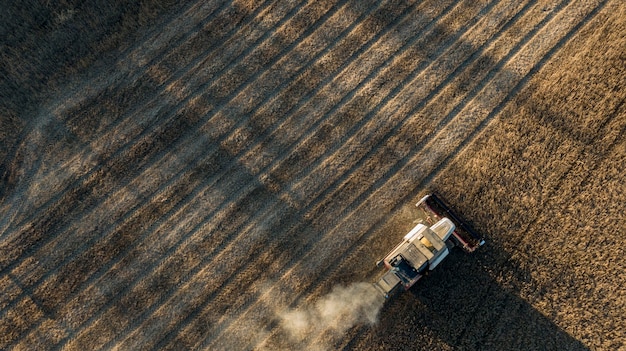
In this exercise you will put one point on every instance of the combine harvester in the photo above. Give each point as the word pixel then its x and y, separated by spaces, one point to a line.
pixel 426 245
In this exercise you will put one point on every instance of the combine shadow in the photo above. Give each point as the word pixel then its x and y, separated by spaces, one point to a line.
pixel 461 305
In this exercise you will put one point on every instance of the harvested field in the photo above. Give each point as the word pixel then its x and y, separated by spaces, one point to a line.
pixel 223 175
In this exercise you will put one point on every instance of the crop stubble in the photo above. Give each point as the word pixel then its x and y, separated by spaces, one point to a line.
pixel 252 155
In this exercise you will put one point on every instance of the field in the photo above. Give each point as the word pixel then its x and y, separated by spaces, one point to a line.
pixel 203 175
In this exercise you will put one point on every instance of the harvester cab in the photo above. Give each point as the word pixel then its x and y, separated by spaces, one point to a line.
pixel 422 249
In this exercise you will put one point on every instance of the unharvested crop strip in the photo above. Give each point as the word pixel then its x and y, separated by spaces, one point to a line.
pixel 522 82
pixel 589 154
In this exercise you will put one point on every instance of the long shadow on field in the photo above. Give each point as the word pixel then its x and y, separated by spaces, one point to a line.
pixel 462 306
pixel 468 309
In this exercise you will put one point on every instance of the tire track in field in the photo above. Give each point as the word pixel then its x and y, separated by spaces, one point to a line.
pixel 27 150
pixel 122 138
pixel 87 92
pixel 106 138
pixel 159 166
pixel 129 144
pixel 86 178
pixel 51 277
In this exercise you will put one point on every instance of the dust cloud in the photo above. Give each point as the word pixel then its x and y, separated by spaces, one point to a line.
pixel 317 326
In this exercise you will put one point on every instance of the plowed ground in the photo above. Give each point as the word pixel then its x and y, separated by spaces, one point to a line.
pixel 174 175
